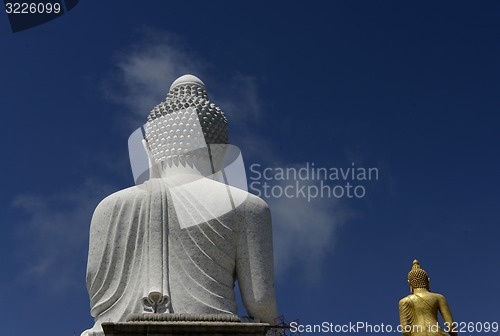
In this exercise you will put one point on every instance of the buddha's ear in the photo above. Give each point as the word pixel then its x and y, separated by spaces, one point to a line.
pixel 153 167
pixel 146 148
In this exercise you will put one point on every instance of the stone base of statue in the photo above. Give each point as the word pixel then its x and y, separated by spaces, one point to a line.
pixel 184 324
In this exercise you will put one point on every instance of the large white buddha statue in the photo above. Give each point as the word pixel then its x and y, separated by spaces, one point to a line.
pixel 177 243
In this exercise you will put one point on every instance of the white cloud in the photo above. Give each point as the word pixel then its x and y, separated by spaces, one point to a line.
pixel 239 99
pixel 146 69
pixel 54 235
pixel 304 232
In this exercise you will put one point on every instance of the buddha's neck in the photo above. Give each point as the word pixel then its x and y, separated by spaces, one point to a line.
pixel 420 290
pixel 185 166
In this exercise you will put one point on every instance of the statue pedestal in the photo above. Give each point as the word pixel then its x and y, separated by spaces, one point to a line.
pixel 148 328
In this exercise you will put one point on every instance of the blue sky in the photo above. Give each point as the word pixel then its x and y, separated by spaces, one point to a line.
pixel 411 89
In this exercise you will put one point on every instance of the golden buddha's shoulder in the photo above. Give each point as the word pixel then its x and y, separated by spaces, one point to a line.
pixel 406 299
pixel 405 302
pixel 437 296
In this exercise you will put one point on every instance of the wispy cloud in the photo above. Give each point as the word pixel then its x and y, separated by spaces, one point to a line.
pixel 238 96
pixel 145 70
pixel 304 234
pixel 54 235
pixel 305 224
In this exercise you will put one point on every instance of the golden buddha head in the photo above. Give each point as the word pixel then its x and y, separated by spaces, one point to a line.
pixel 417 277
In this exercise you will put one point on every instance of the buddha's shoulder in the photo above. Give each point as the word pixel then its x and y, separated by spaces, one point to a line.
pixel 254 202
pixel 123 196
pixel 406 299
pixel 436 295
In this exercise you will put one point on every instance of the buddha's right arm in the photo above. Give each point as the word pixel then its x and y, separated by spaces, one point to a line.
pixel 97 241
pixel 405 316
pixel 254 264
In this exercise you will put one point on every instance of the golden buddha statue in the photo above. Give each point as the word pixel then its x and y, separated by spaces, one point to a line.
pixel 418 312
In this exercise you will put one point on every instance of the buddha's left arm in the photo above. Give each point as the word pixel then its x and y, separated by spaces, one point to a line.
pixel 446 313
pixel 254 264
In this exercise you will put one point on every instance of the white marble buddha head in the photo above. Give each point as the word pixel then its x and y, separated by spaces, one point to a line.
pixel 187 129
